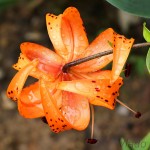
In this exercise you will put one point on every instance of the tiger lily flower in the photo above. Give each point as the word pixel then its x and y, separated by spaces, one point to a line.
pixel 64 97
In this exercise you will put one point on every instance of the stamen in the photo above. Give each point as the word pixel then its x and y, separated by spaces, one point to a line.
pixel 98 55
pixel 92 127
pixel 137 114
pixel 92 140
pixel 127 70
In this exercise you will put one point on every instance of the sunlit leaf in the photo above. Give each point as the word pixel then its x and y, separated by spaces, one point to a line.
pixel 136 7
pixel 145 143
pixel 146 33
pixel 148 60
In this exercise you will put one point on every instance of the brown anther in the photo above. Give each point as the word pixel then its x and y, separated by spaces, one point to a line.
pixel 91 141
pixel 138 115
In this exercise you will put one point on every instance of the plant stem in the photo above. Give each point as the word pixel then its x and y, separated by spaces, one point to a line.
pixel 88 58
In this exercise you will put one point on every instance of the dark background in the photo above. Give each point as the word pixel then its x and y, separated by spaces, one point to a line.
pixel 25 21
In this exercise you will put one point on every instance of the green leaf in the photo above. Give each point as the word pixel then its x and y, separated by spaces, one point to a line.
pixel 136 7
pixel 145 143
pixel 125 145
pixel 146 35
pixel 148 60
pixel 146 32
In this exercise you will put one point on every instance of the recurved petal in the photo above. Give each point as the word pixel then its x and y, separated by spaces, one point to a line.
pixel 36 73
pixel 29 102
pixel 73 31
pixel 30 95
pixel 65 110
pixel 16 85
pixel 49 62
pixel 122 47
pixel 30 111
pixel 54 117
pixel 100 44
pixel 58 29
pixel 99 92
pixel 75 108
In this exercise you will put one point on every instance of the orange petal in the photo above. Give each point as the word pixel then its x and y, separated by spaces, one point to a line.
pixel 101 74
pixel 55 27
pixel 122 47
pixel 22 62
pixel 36 73
pixel 17 83
pixel 100 44
pixel 49 62
pixel 75 108
pixel 30 111
pixel 54 117
pixel 99 92
pixel 31 95
pixel 73 20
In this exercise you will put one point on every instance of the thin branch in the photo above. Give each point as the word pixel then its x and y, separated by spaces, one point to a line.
pixel 88 58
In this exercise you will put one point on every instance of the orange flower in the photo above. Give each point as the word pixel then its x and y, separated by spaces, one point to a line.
pixel 64 97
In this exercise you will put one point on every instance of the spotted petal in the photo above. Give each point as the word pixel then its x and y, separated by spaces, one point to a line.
pixel 99 92
pixel 122 47
pixel 56 26
pixel 73 113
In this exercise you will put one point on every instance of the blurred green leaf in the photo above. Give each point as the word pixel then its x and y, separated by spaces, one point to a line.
pixel 125 145
pixel 138 64
pixel 148 60
pixel 144 144
pixel 136 7
pixel 146 32
pixel 146 35
pixel 6 3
